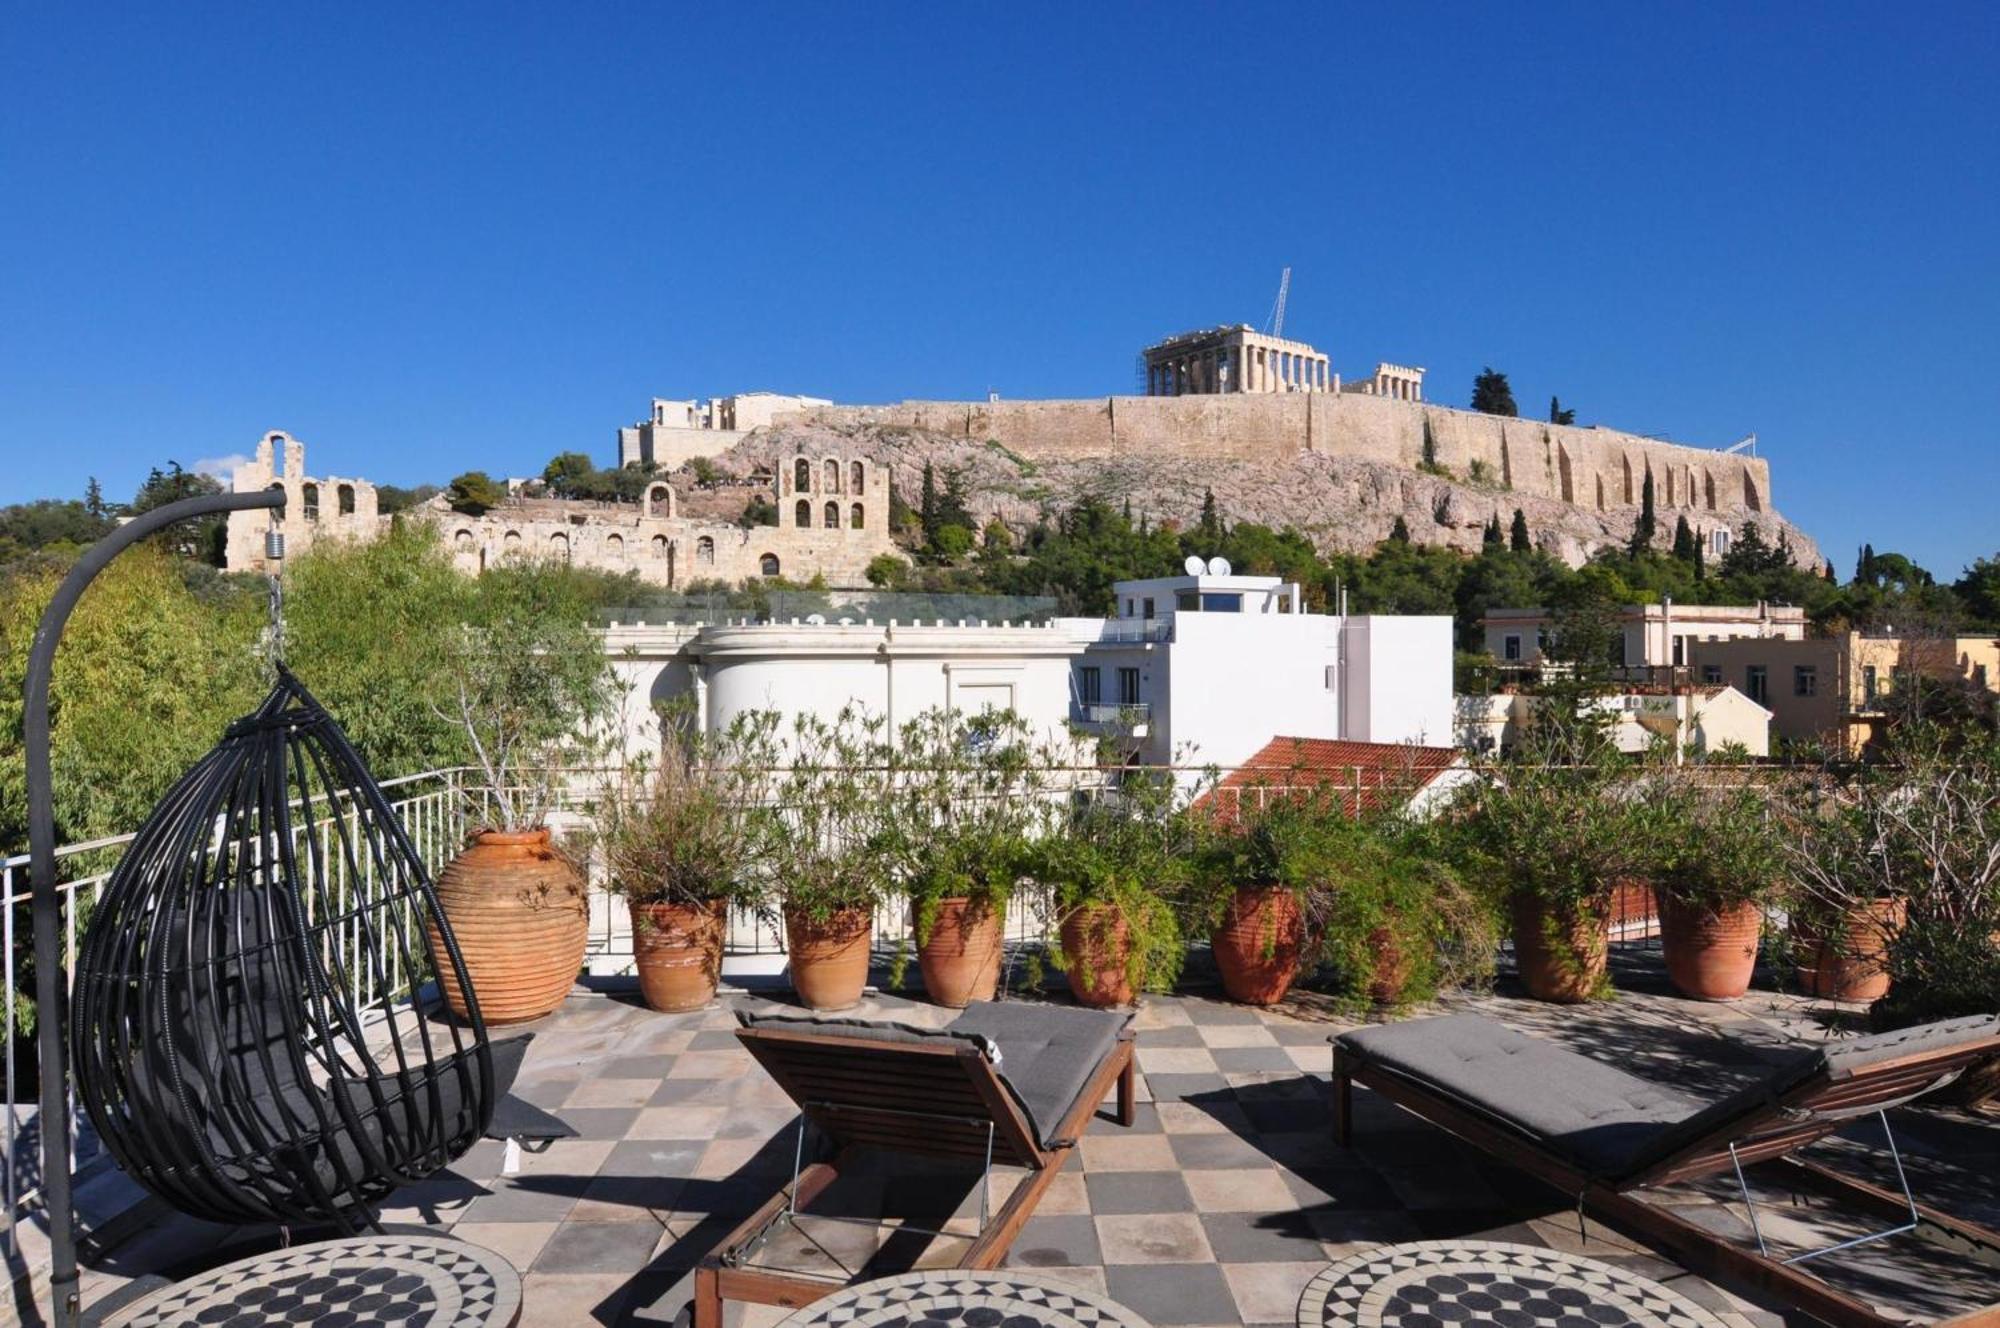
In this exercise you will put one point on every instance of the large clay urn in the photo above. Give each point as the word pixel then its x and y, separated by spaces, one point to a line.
pixel 1392 967
pixel 828 957
pixel 521 915
pixel 1711 953
pixel 1849 964
pixel 1563 955
pixel 1097 945
pixel 1258 944
pixel 960 957
pixel 677 949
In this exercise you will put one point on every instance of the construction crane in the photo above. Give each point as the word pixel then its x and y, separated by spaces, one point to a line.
pixel 1277 323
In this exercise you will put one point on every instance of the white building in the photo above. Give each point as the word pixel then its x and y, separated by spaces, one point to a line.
pixel 1206 669
pixel 894 671
pixel 679 431
pixel 1700 720
pixel 1653 635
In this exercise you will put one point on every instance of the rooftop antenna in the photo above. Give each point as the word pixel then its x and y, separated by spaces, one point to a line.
pixel 1277 324
pixel 1750 443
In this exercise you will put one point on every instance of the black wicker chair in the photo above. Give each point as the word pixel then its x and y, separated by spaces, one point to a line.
pixel 248 1029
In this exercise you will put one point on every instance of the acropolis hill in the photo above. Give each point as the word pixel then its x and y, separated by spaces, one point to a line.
pixel 1340 465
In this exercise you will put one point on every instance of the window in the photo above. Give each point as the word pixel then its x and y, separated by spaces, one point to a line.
pixel 559 543
pixel 309 502
pixel 343 500
pixel 1187 601
pixel 1089 684
pixel 802 475
pixel 1718 542
pixel 704 551
pixel 1871 683
pixel 659 546
pixel 1805 680
pixel 1510 648
pixel 768 565
pixel 1128 687
pixel 832 476
pixel 833 516
pixel 1756 683
pixel 859 475
pixel 854 517
pixel 1128 608
pixel 1711 675
pixel 1680 650
pixel 802 515
pixel 614 547
pixel 463 539
pixel 1146 608
pixel 1219 603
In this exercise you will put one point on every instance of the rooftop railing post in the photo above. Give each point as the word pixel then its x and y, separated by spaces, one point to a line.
pixel 51 989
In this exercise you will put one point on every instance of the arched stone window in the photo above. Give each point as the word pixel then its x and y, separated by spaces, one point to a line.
pixel 309 502
pixel 860 476
pixel 511 540
pixel 832 475
pixel 614 547
pixel 854 516
pixel 832 515
pixel 802 475
pixel 768 565
pixel 802 515
pixel 1708 488
pixel 659 500
pixel 659 546
pixel 559 545
pixel 463 539
pixel 343 498
pixel 704 552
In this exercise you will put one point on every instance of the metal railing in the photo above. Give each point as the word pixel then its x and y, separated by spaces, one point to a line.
pixel 1127 713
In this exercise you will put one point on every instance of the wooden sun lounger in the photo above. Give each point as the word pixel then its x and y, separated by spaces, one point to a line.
pixel 927 1092
pixel 1603 1136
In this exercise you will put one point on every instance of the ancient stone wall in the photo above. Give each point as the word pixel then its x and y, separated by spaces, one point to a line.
pixel 319 510
pixel 1593 468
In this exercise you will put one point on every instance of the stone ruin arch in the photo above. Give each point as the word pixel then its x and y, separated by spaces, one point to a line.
pixel 654 493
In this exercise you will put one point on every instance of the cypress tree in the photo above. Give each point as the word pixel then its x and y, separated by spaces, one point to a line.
pixel 1683 539
pixel 927 508
pixel 1644 528
pixel 1495 537
pixel 1210 529
pixel 1400 532
pixel 93 499
pixel 1518 537
pixel 1700 559
pixel 1865 573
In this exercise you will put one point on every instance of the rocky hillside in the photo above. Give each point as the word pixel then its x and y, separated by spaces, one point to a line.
pixel 1344 504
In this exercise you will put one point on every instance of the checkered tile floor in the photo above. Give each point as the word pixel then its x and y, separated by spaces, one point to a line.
pixel 1215 1208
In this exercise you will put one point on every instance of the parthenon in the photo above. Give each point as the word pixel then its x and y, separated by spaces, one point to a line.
pixel 1234 359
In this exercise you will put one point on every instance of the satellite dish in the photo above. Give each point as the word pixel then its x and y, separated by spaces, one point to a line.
pixel 1218 566
pixel 816 619
pixel 1194 566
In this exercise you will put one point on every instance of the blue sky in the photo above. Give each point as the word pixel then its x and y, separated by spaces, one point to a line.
pixel 426 238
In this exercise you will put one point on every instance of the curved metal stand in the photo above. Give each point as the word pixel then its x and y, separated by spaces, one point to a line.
pixel 51 990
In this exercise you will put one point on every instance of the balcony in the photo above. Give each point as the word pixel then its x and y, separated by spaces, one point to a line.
pixel 1132 719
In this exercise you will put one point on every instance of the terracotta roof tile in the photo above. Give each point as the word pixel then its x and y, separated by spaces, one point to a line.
pixel 1361 774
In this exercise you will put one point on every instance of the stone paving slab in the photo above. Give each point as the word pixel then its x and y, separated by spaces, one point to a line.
pixel 1214 1209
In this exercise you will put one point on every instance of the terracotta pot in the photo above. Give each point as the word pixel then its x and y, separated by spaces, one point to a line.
pixel 1392 967
pixel 678 950
pixel 1098 944
pixel 521 915
pixel 1710 953
pixel 829 959
pixel 1848 966
pixel 1564 962
pixel 1258 944
pixel 960 959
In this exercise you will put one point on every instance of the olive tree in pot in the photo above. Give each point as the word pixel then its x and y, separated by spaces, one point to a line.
pixel 678 847
pixel 526 679
pixel 1549 836
pixel 1263 877
pixel 819 793
pixel 1714 862
pixel 1111 872
pixel 1397 925
pixel 967 788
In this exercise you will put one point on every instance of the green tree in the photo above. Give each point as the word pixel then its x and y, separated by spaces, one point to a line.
pixel 1399 532
pixel 45 523
pixel 1209 530
pixel 93 500
pixel 570 475
pixel 759 511
pixel 887 571
pixel 1979 591
pixel 927 508
pixel 1684 545
pixel 1491 394
pixel 201 540
pixel 1517 536
pixel 1494 538
pixel 1559 415
pixel 475 493
pixel 1648 523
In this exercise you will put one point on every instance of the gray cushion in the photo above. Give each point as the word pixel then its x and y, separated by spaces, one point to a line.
pixel 1594 1114
pixel 1047 1053
pixel 871 1030
pixel 1611 1123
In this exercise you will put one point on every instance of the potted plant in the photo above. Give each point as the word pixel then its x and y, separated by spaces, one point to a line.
pixel 1111 871
pixel 527 682
pixel 965 790
pixel 820 791
pixel 1714 865
pixel 1398 925
pixel 1261 877
pixel 677 846
pixel 1550 835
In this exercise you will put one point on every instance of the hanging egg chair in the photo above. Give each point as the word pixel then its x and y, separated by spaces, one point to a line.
pixel 249 1025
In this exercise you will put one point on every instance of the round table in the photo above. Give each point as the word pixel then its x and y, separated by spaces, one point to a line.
pixel 1450 1283
pixel 976 1300
pixel 362 1282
